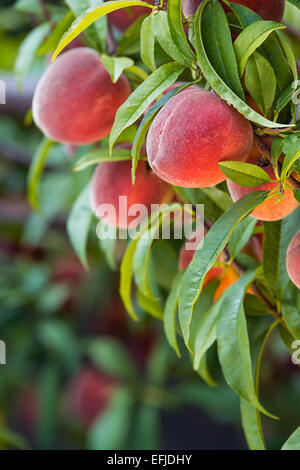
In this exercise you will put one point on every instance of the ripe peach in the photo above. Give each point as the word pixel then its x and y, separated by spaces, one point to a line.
pixel 293 260
pixel 229 278
pixel 112 180
pixel 75 101
pixel 122 19
pixel 88 395
pixel 267 9
pixel 194 131
pixel 270 209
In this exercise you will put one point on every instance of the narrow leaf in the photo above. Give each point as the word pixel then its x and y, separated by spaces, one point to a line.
pixel 244 173
pixel 35 171
pixel 143 96
pixel 214 242
pixel 78 224
pixel 90 16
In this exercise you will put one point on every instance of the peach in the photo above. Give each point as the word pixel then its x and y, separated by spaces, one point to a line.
pixel 88 395
pixel 271 209
pixel 267 9
pixel 75 101
pixel 194 131
pixel 112 180
pixel 229 278
pixel 125 17
pixel 293 260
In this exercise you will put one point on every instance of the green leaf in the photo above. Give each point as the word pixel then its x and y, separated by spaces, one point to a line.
pixel 129 43
pixel 151 306
pixel 240 236
pixel 214 242
pixel 112 358
pixel 254 306
pixel 218 46
pixel 285 98
pixel 147 43
pixel 291 317
pixel 251 39
pixel 144 245
pixel 60 341
pixel 90 16
pixel 48 406
pixel 78 225
pixel 233 342
pixel 297 194
pixel 12 439
pixel 216 82
pixel 207 332
pixel 116 65
pixel 158 364
pixel 102 155
pixel 107 244
pixel 126 279
pixel 111 429
pixel 146 432
pixel 219 197
pixel 170 314
pixel 36 170
pixel 163 36
pixel 277 236
pixel 295 2
pixel 97 32
pixel 143 96
pixel 291 148
pixel 271 49
pixel 251 419
pixel 204 372
pixel 177 31
pixel 251 426
pixel 245 174
pixel 293 442
pixel 260 80
pixel 53 39
pixel 28 50
pixel 29 6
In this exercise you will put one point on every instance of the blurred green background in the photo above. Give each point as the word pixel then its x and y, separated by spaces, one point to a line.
pixel 80 374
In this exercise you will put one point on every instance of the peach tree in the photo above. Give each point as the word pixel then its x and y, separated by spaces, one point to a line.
pixel 185 102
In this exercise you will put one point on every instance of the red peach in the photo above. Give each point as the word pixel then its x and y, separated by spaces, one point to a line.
pixel 191 134
pixel 113 179
pixel 88 395
pixel 75 101
pixel 293 260
pixel 271 209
